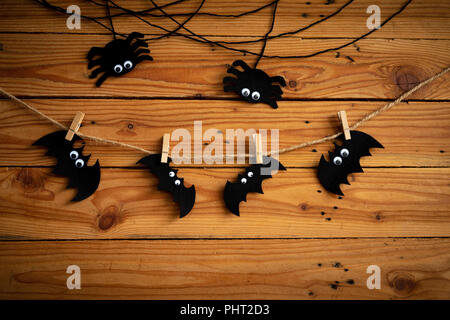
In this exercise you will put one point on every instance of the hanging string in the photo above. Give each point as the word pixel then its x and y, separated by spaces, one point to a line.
pixel 367 117
pixel 180 25
pixel 133 13
pixel 284 150
pixel 145 12
pixel 142 12
pixel 274 13
pixel 198 38
pixel 110 20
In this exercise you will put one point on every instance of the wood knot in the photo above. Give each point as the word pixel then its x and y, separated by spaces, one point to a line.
pixel 403 283
pixel 292 83
pixel 127 130
pixel 379 216
pixel 304 206
pixel 405 79
pixel 30 179
pixel 108 218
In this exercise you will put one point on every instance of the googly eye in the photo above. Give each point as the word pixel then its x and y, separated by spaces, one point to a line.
pixel 245 92
pixel 344 153
pixel 171 174
pixel 243 181
pixel 118 68
pixel 79 163
pixel 256 95
pixel 337 161
pixel 73 155
pixel 128 64
pixel 177 182
pixel 250 174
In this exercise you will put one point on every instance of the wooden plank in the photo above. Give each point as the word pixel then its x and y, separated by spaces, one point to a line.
pixel 400 202
pixel 47 65
pixel 221 269
pixel 422 18
pixel 413 134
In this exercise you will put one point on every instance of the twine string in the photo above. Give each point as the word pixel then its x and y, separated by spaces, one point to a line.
pixel 284 150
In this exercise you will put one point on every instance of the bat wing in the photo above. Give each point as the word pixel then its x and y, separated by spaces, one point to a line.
pixel 185 197
pixel 56 143
pixel 251 181
pixel 233 195
pixel 361 142
pixel 85 179
pixel 331 176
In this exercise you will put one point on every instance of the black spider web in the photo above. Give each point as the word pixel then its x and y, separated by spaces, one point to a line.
pixel 156 11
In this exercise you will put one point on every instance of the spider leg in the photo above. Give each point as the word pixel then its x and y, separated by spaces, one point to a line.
pixel 95 51
pixel 277 90
pixel 138 44
pixel 142 58
pixel 94 63
pixel 279 79
pixel 134 35
pixel 141 51
pixel 95 73
pixel 102 79
pixel 234 71
pixel 242 64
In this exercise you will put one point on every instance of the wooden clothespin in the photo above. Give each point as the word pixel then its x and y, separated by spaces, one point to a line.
pixel 258 147
pixel 165 147
pixel 343 118
pixel 76 123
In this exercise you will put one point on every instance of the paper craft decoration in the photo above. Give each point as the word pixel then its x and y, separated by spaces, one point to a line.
pixel 254 85
pixel 71 163
pixel 168 181
pixel 251 181
pixel 118 57
pixel 345 160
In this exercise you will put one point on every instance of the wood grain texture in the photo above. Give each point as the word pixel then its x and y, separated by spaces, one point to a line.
pixel 382 202
pixel 238 269
pixel 294 242
pixel 422 19
pixel 414 134
pixel 56 65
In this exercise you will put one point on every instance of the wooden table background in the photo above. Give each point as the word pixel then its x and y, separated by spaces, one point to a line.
pixel 293 242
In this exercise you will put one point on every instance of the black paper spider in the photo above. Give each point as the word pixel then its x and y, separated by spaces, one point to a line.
pixel 118 57
pixel 254 85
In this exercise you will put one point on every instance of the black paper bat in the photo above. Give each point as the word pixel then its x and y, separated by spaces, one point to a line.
pixel 71 163
pixel 345 160
pixel 168 181
pixel 251 181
